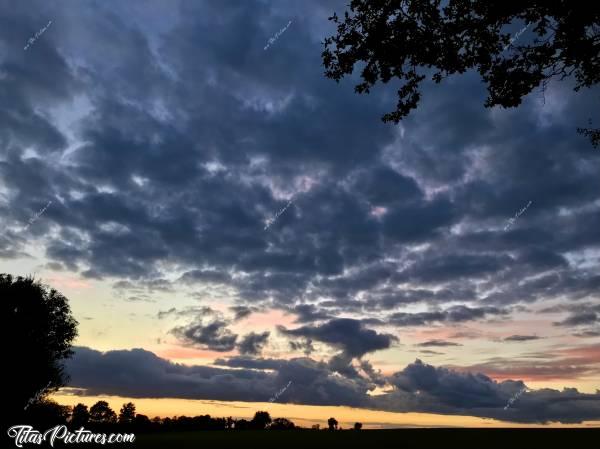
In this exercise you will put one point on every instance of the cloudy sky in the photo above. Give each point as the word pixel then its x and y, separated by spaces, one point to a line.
pixel 226 221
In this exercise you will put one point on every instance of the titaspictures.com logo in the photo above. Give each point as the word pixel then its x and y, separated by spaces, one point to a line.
pixel 25 434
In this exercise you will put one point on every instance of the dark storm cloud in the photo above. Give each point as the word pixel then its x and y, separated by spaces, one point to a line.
pixel 418 387
pixel 578 319
pixel 384 186
pixel 241 312
pixel 139 373
pixel 305 346
pixel 199 312
pixel 213 335
pixel 180 157
pixel 476 394
pixel 346 334
pixel 454 314
pixel 451 267
pixel 309 313
pixel 249 362
pixel 419 221
pixel 253 343
pixel 212 276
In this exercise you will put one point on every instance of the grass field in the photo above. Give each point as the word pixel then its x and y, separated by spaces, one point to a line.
pixel 379 439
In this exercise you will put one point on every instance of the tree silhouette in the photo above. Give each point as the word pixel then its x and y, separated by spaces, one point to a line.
pixel 47 413
pixel 142 422
pixel 80 416
pixel 332 423
pixel 282 424
pixel 409 40
pixel 229 423
pixel 592 134
pixel 357 426
pixel 127 413
pixel 261 420
pixel 101 413
pixel 41 329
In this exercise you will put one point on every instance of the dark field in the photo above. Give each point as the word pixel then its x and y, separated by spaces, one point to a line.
pixel 378 439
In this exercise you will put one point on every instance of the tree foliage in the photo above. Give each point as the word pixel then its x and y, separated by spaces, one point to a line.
pixel 41 328
pixel 261 420
pixel 332 424
pixel 101 413
pixel 127 413
pixel 282 424
pixel 410 40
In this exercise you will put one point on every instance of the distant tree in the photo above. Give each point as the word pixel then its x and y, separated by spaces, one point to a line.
pixel 40 327
pixel 316 427
pixel 80 416
pixel 127 413
pixel 229 423
pixel 261 420
pixel 101 413
pixel 142 422
pixel 332 423
pixel 409 40
pixel 282 424
pixel 357 426
pixel 242 424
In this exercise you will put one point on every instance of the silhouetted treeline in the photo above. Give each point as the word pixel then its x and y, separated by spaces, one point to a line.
pixel 100 417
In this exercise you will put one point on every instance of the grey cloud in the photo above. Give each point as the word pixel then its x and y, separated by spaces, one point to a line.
pixel 476 394
pixel 213 335
pixel 447 194
pixel 438 343
pixel 305 346
pixel 522 338
pixel 454 314
pixel 418 387
pixel 346 334
pixel 241 312
pixel 578 319
pixel 138 373
pixel 253 343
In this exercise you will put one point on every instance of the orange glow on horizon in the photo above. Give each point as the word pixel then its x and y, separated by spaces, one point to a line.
pixel 304 415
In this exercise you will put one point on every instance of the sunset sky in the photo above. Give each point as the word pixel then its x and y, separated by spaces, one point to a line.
pixel 226 221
